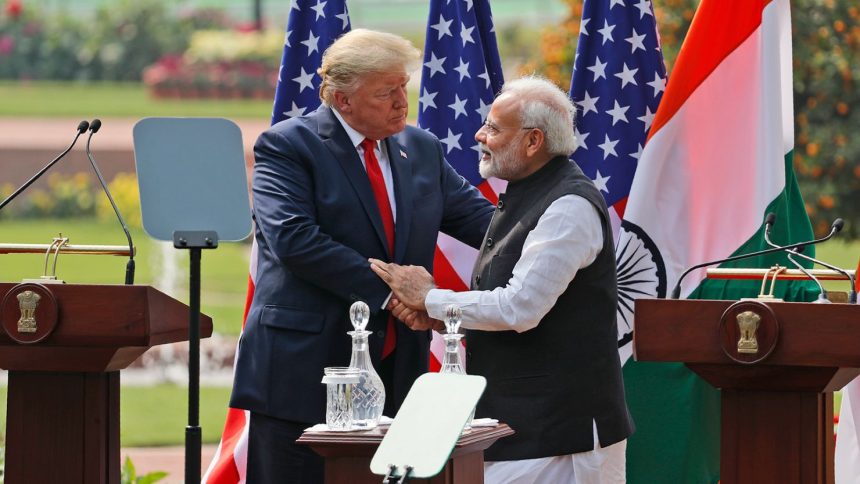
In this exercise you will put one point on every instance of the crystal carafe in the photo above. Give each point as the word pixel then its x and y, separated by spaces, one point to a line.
pixel 369 393
pixel 451 361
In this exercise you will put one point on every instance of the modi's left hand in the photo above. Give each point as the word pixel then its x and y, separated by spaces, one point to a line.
pixel 410 284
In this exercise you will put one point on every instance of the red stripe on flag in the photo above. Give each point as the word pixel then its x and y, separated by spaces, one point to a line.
pixel 249 296
pixel 445 275
pixel 488 192
pixel 224 470
pixel 620 206
pixel 718 28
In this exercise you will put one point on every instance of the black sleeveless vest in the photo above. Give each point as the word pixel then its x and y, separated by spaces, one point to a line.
pixel 551 384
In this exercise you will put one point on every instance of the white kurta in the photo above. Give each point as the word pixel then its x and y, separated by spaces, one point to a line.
pixel 567 237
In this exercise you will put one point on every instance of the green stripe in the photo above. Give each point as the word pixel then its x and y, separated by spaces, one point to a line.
pixel 677 414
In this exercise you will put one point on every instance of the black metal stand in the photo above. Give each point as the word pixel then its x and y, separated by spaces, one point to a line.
pixel 195 241
pixel 393 478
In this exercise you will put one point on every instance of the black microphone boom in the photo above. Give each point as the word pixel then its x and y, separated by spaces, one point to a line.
pixel 82 127
pixel 836 227
pixel 129 267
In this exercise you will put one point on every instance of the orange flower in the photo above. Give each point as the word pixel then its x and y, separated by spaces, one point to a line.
pixel 812 149
pixel 826 202
pixel 842 108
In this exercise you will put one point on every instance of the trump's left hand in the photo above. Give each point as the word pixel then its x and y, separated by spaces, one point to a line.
pixel 410 284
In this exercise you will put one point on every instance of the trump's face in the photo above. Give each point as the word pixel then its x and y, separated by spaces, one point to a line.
pixel 378 106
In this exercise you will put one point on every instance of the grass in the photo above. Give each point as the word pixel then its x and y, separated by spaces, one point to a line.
pixel 224 271
pixel 36 99
pixel 157 415
pixel 59 99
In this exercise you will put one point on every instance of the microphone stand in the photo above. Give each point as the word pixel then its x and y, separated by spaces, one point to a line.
pixel 82 127
pixel 129 267
pixel 835 227
pixel 676 291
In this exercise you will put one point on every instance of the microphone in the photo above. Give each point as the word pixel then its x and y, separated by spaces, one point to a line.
pixel 82 127
pixel 676 291
pixel 835 228
pixel 769 220
pixel 129 267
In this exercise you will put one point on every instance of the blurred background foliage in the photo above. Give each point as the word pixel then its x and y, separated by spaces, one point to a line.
pixel 826 42
pixel 206 52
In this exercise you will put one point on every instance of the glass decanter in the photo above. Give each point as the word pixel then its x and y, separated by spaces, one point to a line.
pixel 369 393
pixel 451 361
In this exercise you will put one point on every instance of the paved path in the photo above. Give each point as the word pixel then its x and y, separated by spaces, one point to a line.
pixel 167 459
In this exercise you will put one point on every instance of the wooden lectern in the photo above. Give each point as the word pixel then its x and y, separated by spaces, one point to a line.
pixel 64 345
pixel 348 454
pixel 777 364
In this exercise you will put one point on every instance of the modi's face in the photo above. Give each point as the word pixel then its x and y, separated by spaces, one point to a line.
pixel 378 107
pixel 500 140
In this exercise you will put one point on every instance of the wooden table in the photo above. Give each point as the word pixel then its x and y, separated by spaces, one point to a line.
pixel 347 455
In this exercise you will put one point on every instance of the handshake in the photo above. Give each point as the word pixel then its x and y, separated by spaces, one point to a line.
pixel 409 285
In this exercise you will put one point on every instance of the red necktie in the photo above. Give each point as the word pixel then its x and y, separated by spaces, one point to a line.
pixel 380 193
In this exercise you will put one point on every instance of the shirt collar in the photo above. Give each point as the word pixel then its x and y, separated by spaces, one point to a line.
pixel 354 136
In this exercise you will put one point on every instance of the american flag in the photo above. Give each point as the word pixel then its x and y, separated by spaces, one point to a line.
pixel 312 26
pixel 461 75
pixel 618 80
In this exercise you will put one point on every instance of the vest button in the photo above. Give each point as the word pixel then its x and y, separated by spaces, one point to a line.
pixel 501 205
pixel 380 334
pixel 478 280
pixel 490 242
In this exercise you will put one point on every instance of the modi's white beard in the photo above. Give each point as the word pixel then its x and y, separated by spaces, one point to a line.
pixel 499 164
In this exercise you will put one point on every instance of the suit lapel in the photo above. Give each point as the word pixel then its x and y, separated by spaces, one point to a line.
pixel 401 171
pixel 338 142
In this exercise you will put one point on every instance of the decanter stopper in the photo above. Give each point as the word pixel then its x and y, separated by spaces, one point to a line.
pixel 453 319
pixel 359 314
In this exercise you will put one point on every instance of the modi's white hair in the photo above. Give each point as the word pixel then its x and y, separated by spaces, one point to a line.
pixel 546 107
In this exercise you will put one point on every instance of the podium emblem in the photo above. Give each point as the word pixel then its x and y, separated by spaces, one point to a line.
pixel 749 332
pixel 29 313
pixel 748 322
pixel 28 301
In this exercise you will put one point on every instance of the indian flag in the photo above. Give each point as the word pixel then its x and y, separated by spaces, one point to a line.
pixel 718 158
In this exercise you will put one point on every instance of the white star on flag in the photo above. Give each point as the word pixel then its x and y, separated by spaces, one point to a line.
pixel 599 69
pixel 600 182
pixel 626 76
pixel 305 80
pixel 312 42
pixel 647 118
pixel 659 84
pixel 451 141
pixel 463 69
pixel 459 106
pixel 618 113
pixel 443 27
pixel 636 41
pixel 295 111
pixel 580 138
pixel 608 147
pixel 606 32
pixel 426 100
pixel 588 104
pixel 435 65
pixel 318 8
pixel 466 34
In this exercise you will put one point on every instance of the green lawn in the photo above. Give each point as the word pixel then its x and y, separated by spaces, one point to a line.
pixel 154 416
pixel 88 100
pixel 224 270
pixel 52 99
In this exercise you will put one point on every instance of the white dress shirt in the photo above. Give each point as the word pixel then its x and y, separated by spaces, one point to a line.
pixel 567 238
pixel 381 155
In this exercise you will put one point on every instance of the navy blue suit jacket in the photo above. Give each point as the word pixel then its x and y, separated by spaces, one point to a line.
pixel 317 223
